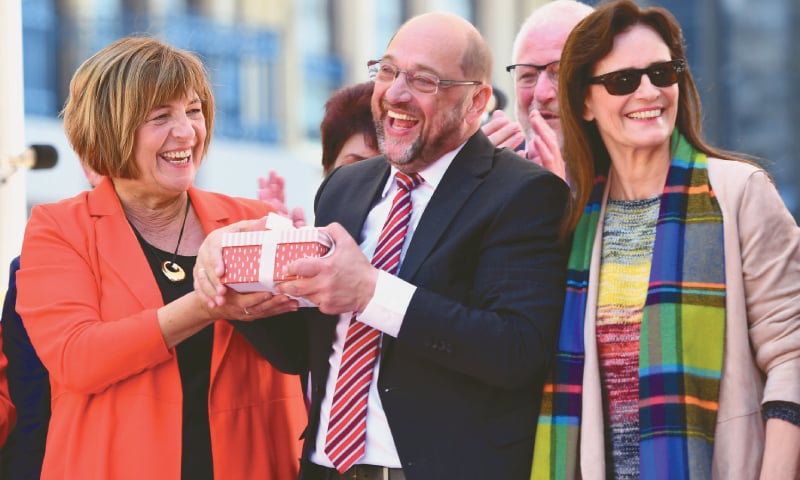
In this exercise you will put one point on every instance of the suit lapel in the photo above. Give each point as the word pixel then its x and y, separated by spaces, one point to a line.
pixel 363 192
pixel 463 176
pixel 118 248
pixel 213 215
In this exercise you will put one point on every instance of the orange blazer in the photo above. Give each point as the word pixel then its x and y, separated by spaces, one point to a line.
pixel 88 299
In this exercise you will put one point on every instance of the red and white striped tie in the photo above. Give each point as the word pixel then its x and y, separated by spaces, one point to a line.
pixel 345 442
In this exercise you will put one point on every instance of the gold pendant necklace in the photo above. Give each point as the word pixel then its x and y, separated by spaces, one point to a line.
pixel 173 271
pixel 170 268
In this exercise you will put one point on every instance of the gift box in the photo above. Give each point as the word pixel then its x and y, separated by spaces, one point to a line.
pixel 254 261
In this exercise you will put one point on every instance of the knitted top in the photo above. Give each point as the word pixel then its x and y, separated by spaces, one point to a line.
pixel 628 235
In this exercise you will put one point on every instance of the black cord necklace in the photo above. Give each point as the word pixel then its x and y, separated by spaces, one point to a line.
pixel 169 268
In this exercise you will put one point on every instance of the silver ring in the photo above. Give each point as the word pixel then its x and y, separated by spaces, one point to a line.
pixel 246 312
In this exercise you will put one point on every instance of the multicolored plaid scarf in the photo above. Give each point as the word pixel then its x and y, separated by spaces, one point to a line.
pixel 681 342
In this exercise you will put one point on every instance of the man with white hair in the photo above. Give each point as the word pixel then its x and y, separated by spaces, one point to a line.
pixel 536 54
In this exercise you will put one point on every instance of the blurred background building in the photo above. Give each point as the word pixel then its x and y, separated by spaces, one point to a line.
pixel 273 63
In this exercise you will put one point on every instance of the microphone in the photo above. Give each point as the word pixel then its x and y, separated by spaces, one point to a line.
pixel 35 157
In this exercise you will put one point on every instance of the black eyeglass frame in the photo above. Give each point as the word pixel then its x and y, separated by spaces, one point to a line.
pixel 539 69
pixel 375 64
pixel 677 66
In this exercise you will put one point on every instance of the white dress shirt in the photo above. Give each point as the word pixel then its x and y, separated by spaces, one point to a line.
pixel 384 312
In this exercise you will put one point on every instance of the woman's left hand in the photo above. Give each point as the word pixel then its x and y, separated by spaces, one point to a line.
pixel 250 306
pixel 187 315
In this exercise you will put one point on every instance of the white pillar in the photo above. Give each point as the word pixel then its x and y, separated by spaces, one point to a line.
pixel 357 45
pixel 418 7
pixel 13 212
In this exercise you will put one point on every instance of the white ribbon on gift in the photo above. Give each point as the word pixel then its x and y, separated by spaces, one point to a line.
pixel 269 241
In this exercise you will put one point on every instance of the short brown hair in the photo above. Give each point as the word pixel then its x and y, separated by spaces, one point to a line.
pixel 112 92
pixel 347 112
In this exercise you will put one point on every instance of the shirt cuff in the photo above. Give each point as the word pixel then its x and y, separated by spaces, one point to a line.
pixel 388 306
pixel 788 411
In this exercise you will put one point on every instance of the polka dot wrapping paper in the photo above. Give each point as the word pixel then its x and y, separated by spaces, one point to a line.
pixel 254 261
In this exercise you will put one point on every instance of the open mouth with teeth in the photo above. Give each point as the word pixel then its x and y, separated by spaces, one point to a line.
pixel 645 114
pixel 181 157
pixel 401 121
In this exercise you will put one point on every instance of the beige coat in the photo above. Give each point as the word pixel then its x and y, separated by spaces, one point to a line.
pixel 762 343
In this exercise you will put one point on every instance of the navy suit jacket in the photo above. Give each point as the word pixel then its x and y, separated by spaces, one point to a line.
pixel 462 381
pixel 29 386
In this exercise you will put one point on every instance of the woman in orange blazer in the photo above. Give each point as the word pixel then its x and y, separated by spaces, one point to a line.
pixel 147 382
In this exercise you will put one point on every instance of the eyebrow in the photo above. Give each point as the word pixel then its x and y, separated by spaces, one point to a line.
pixel 651 64
pixel 416 67
pixel 196 99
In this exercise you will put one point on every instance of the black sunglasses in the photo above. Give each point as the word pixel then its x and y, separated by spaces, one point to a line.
pixel 624 82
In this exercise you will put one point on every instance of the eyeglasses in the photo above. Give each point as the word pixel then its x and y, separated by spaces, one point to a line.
pixel 526 75
pixel 624 82
pixel 422 82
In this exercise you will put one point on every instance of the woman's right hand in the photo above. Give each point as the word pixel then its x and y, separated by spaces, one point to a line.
pixel 209 267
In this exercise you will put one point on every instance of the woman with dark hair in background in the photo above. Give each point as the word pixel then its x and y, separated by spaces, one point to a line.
pixel 679 352
pixel 347 129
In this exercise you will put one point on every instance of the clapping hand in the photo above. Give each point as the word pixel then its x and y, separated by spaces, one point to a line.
pixel 272 190
pixel 503 132
pixel 545 149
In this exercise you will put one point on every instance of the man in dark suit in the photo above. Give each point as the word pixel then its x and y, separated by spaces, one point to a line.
pixel 468 324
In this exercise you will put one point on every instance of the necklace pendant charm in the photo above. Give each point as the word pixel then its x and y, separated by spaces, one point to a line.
pixel 173 271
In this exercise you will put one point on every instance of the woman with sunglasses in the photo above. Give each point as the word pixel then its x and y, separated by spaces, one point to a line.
pixel 679 351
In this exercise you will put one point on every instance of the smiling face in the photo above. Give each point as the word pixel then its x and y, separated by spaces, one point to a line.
pixel 168 147
pixel 644 119
pixel 541 46
pixel 414 129
pixel 540 42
